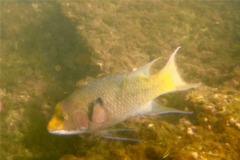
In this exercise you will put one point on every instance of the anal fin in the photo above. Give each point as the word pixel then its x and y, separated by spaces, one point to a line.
pixel 158 110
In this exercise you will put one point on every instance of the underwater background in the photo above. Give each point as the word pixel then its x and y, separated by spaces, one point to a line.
pixel 50 48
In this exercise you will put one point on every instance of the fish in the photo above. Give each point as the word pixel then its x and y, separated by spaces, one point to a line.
pixel 106 102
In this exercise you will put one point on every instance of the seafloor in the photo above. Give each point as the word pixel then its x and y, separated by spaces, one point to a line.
pixel 49 48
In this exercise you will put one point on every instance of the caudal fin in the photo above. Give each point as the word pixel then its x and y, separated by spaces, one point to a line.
pixel 169 78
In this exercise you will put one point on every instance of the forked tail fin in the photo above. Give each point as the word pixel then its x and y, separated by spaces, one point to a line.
pixel 170 80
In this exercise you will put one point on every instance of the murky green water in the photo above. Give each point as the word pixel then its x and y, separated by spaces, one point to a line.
pixel 50 48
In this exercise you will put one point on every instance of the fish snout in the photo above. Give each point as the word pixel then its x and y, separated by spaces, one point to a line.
pixel 55 124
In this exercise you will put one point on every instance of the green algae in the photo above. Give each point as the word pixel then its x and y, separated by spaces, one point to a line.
pixel 46 47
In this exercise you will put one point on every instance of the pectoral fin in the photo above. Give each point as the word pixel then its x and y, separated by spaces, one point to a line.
pixel 99 112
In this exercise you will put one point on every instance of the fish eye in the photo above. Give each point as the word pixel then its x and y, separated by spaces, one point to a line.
pixel 62 116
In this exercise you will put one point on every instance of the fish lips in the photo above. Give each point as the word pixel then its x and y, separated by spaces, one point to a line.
pixel 65 132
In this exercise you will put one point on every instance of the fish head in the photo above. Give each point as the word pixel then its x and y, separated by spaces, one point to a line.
pixel 67 120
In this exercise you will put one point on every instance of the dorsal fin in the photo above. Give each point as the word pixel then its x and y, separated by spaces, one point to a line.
pixel 145 70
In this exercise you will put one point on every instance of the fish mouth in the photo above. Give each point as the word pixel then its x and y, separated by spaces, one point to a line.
pixel 64 132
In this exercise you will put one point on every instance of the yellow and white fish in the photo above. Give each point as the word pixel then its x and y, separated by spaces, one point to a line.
pixel 111 100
